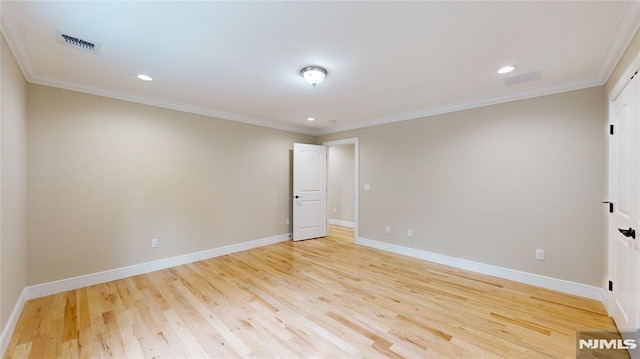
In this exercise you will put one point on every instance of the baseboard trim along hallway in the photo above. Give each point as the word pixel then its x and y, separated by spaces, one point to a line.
pixel 338 222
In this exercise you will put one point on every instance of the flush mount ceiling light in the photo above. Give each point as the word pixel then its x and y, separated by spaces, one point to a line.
pixel 506 70
pixel 313 74
pixel 310 119
pixel 145 77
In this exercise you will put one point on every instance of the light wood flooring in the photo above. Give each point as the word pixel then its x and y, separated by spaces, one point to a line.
pixel 321 298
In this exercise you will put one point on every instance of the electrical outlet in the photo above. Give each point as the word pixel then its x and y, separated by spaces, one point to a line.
pixel 540 254
pixel 409 232
pixel 154 243
pixel 334 211
pixel 286 222
pixel 387 229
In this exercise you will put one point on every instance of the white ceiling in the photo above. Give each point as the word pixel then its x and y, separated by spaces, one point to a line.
pixel 386 61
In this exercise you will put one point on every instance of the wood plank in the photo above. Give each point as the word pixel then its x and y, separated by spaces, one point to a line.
pixel 318 298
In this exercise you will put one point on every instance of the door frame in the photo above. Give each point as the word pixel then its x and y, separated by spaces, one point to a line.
pixel 356 170
pixel 622 82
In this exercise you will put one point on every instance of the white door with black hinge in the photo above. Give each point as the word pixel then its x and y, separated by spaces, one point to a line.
pixel 309 191
pixel 625 247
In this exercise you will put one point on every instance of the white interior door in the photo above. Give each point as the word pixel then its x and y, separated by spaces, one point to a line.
pixel 309 191
pixel 625 249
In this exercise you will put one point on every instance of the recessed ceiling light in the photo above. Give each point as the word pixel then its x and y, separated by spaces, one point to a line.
pixel 310 119
pixel 145 77
pixel 506 69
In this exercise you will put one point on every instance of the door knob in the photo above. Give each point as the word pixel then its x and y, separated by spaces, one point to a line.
pixel 296 196
pixel 628 232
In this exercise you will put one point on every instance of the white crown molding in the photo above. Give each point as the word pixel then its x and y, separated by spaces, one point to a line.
pixel 464 105
pixel 627 29
pixel 10 33
pixel 172 105
pixel 183 107
pixel 623 36
pixel 559 285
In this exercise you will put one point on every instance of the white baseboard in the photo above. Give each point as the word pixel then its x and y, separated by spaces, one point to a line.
pixel 338 222
pixel 559 285
pixel 41 290
pixel 8 329
pixel 59 286
pixel 63 285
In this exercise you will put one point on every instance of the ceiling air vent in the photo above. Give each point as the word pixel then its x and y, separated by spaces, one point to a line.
pixel 526 77
pixel 78 43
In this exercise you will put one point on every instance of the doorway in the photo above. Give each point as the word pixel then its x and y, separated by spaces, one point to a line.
pixel 342 183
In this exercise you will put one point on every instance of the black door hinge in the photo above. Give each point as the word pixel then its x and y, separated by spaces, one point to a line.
pixel 610 286
pixel 610 206
pixel 611 129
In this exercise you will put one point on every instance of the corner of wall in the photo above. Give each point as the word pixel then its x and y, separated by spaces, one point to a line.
pixel 13 119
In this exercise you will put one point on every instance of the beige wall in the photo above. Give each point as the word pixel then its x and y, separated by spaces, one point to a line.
pixel 493 184
pixel 13 181
pixel 107 176
pixel 340 184
pixel 488 184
